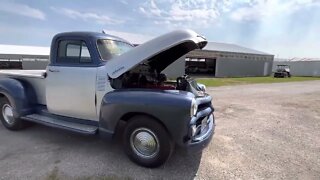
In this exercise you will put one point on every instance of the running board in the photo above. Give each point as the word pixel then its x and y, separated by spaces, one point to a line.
pixel 57 123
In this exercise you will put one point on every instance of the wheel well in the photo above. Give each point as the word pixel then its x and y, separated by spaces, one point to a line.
pixel 126 117
pixel 3 96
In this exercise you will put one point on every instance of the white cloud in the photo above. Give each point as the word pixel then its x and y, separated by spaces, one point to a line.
pixel 22 9
pixel 87 16
pixel 286 47
pixel 124 2
pixel 260 9
pixel 278 30
pixel 205 12
pixel 131 37
pixel 180 12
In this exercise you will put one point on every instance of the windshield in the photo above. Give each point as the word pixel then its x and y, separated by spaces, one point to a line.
pixel 111 48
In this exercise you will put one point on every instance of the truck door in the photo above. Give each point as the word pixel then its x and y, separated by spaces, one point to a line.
pixel 71 80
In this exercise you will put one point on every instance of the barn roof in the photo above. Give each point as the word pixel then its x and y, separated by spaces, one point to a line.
pixel 297 59
pixel 226 47
pixel 24 50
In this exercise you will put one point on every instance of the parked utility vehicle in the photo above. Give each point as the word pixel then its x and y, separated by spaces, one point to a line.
pixel 94 81
pixel 282 71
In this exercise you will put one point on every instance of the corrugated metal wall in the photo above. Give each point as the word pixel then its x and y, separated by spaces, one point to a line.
pixel 230 64
pixel 17 61
pixel 243 67
pixel 301 68
pixel 34 65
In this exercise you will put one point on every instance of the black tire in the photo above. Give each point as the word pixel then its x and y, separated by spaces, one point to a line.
pixel 15 123
pixel 144 124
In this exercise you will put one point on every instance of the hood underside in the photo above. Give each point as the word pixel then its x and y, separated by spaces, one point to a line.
pixel 158 53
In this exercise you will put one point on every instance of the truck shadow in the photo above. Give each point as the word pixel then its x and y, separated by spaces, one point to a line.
pixel 72 155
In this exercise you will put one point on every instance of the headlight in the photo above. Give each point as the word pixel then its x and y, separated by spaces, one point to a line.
pixel 194 108
pixel 202 87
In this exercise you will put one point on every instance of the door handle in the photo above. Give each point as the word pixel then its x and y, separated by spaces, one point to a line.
pixel 54 70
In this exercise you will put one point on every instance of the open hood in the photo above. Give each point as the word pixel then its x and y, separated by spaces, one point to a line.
pixel 158 53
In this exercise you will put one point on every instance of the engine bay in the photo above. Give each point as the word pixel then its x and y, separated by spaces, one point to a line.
pixel 143 76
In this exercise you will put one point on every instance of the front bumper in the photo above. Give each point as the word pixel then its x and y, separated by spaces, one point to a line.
pixel 200 141
pixel 202 125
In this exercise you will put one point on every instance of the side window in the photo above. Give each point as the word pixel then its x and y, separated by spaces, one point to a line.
pixel 85 55
pixel 73 51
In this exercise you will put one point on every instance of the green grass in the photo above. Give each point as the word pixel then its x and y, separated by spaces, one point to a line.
pixel 213 82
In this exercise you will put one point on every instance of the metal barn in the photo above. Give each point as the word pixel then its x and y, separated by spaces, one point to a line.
pixel 229 60
pixel 300 66
pixel 23 57
pixel 216 60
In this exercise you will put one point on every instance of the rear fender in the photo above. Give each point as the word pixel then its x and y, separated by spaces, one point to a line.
pixel 20 94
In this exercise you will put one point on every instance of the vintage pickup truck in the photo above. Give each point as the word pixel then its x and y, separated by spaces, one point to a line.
pixel 95 81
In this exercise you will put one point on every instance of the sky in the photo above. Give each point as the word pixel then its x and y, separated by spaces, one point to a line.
pixel 285 28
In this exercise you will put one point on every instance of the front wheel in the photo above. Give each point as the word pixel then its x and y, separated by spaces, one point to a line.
pixel 6 116
pixel 147 142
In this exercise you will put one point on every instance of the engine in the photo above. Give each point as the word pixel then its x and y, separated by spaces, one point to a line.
pixel 147 78
pixel 143 77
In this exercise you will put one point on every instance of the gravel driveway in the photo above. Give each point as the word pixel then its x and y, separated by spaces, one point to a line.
pixel 269 131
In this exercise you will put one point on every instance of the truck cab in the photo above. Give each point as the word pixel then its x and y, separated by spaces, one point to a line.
pixel 77 66
pixel 95 81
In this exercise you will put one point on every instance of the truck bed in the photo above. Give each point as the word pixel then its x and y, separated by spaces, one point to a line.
pixel 35 77
pixel 24 73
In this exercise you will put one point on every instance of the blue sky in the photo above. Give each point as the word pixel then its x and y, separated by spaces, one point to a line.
pixel 285 28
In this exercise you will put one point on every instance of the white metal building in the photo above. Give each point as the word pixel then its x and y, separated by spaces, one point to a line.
pixel 219 59
pixel 300 66
pixel 23 57
pixel 230 60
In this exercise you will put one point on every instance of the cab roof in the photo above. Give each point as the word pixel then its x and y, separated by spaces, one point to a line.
pixel 88 34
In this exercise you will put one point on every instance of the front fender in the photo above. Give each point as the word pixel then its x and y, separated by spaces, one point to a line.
pixel 19 93
pixel 171 108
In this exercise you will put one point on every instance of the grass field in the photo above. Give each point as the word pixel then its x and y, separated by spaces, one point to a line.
pixel 212 82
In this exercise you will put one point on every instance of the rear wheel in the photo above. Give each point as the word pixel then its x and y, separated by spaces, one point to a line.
pixel 147 142
pixel 6 116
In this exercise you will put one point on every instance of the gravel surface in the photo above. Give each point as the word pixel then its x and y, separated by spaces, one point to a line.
pixel 265 131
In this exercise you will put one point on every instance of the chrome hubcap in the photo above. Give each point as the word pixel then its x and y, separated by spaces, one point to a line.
pixel 144 143
pixel 7 114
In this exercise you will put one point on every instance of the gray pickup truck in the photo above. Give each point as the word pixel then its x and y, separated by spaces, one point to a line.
pixel 94 82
